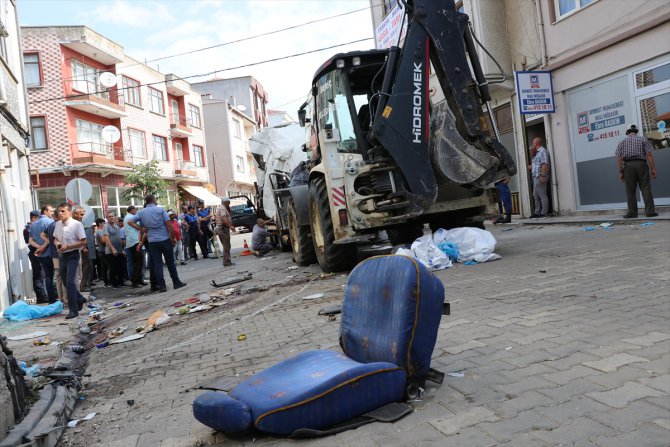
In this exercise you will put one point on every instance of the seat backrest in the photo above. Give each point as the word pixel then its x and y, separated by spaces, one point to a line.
pixel 391 313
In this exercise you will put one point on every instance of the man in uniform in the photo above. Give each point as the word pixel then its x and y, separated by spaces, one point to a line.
pixel 224 223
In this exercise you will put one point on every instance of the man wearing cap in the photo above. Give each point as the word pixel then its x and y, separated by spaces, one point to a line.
pixel 38 275
pixel 635 161
pixel 161 239
pixel 224 223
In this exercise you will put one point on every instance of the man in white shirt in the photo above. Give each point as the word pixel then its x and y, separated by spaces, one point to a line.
pixel 70 238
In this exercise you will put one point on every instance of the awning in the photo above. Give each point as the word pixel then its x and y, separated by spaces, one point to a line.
pixel 202 193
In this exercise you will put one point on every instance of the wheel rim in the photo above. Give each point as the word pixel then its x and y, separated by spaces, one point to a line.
pixel 317 234
pixel 293 230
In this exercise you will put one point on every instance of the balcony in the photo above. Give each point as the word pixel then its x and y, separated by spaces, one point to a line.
pixel 88 43
pixel 186 169
pixel 176 86
pixel 179 127
pixel 91 97
pixel 101 154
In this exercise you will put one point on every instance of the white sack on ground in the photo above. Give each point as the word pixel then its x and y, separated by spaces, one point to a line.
pixel 474 244
pixel 426 252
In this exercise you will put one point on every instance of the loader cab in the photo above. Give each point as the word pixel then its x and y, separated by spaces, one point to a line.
pixel 342 99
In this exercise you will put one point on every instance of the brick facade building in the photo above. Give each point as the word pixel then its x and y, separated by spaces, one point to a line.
pixel 80 83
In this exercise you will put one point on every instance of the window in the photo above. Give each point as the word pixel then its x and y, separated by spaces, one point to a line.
pixel 194 115
pixel 84 78
pixel 237 128
pixel 160 148
pixel 118 203
pixel 197 156
pixel 138 143
pixel 31 65
pixel 54 196
pixel 239 164
pixel 131 91
pixel 89 138
pixel 38 133
pixel 565 7
pixel 156 100
pixel 652 76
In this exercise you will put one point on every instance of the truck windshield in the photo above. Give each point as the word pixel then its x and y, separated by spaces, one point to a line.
pixel 333 110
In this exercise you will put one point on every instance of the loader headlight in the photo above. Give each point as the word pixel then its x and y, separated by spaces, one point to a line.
pixel 356 61
pixel 339 63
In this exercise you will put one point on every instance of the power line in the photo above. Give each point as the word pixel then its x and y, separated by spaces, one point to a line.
pixel 206 74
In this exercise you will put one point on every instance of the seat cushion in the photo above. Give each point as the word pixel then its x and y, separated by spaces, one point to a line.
pixel 317 389
pixel 221 412
pixel 391 313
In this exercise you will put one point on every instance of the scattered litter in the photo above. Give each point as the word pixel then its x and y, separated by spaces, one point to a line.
pixel 506 229
pixel 155 319
pixel 233 280
pixel 241 337
pixel 22 311
pixel 104 344
pixel 200 308
pixel 73 423
pixel 120 305
pixel 192 300
pixel 41 341
pixel 589 228
pixel 542 271
pixel 606 225
pixel 228 292
pixel 470 263
pixel 77 349
pixel 332 317
pixel 450 249
pixel 184 310
pixel 456 374
pixel 316 296
pixel 290 276
pixel 126 339
pixel 130 402
pixel 118 331
pixel 204 298
pixel 508 348
pixel 331 310
pixel 32 371
pixel 293 267
pixel 27 336
pixel 84 330
pixel 647 224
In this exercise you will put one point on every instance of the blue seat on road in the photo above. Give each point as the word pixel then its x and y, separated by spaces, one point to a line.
pixel 390 316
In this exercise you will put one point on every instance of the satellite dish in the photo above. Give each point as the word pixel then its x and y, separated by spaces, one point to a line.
pixel 242 108
pixel 111 134
pixel 107 79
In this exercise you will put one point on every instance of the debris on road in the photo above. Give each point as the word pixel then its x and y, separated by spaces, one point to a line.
pixel 456 374
pixel 241 337
pixel 41 341
pixel 31 371
pixel 27 336
pixel 155 319
pixel 315 296
pixel 22 311
pixel 647 224
pixel 232 280
pixel 133 337
pixel 118 331
pixel 73 423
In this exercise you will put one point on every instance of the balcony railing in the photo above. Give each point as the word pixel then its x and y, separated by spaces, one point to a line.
pixel 180 120
pixel 84 89
pixel 101 153
pixel 104 149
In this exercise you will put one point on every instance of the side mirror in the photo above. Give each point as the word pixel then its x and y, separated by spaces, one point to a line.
pixel 302 115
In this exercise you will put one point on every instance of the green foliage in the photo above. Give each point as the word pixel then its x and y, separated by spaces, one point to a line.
pixel 145 179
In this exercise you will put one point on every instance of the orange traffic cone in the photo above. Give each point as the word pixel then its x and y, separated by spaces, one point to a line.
pixel 246 251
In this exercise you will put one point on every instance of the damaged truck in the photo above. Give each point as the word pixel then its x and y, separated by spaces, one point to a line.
pixel 380 156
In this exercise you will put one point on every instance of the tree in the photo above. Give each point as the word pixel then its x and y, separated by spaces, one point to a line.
pixel 145 179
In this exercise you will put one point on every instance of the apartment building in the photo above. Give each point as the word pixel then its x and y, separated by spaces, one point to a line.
pixel 95 112
pixel 15 198
pixel 610 67
pixel 234 109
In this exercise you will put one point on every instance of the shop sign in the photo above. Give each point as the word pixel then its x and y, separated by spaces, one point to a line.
pixel 535 91
pixel 388 30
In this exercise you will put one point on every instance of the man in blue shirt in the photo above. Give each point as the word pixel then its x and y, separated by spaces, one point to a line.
pixel 45 259
pixel 160 235
pixel 133 249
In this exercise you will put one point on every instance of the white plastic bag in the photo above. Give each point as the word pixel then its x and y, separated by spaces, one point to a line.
pixel 426 252
pixel 474 244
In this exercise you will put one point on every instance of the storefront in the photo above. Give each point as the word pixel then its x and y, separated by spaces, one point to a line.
pixel 598 114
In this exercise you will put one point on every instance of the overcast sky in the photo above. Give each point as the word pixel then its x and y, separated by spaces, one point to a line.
pixel 152 29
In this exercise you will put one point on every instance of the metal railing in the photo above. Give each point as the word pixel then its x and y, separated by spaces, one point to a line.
pixel 179 120
pixel 104 149
pixel 79 89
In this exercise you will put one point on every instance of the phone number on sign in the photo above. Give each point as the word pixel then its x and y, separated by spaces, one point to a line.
pixel 611 134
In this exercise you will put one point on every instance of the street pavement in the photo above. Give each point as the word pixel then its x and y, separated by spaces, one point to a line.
pixel 564 341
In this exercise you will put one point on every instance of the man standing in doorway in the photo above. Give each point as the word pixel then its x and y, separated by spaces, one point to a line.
pixel 539 169
pixel 133 253
pixel 38 275
pixel 161 239
pixel 635 160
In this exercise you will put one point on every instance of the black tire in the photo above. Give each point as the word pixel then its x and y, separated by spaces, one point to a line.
pixel 405 233
pixel 331 257
pixel 300 239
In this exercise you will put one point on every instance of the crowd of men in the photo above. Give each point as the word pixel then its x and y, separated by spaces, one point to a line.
pixel 67 257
